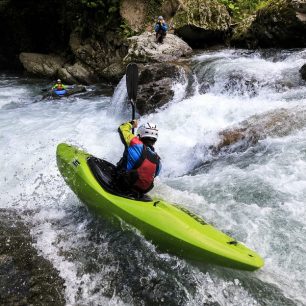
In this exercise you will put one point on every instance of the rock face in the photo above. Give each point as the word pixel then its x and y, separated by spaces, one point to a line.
pixel 281 24
pixel 201 23
pixel 155 85
pixel 77 73
pixel 303 72
pixel 103 57
pixel 93 60
pixel 42 64
pixel 134 13
pixel 25 277
pixel 143 48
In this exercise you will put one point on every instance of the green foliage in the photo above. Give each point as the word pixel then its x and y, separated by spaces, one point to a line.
pixel 239 9
pixel 126 30
pixel 231 6
pixel 96 16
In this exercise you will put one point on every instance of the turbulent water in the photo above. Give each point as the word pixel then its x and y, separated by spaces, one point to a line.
pixel 256 196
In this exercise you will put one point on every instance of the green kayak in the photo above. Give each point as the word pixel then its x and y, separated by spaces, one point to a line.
pixel 169 226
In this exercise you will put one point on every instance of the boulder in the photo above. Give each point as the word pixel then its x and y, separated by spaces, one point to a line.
pixel 77 73
pixel 102 57
pixel 277 123
pixel 143 48
pixel 155 86
pixel 201 23
pixel 303 72
pixel 114 71
pixel 42 64
pixel 282 23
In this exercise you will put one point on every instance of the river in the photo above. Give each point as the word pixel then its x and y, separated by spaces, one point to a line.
pixel 256 195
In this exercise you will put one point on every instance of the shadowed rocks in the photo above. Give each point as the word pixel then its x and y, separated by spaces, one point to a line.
pixel 25 277
pixel 281 24
pixel 303 72
pixel 201 23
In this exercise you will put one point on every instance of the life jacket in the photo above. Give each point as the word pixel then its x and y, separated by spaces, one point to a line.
pixel 59 87
pixel 144 172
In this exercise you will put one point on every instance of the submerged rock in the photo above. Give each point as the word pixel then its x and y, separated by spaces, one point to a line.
pixel 143 49
pixel 25 277
pixel 303 72
pixel 282 23
pixel 276 123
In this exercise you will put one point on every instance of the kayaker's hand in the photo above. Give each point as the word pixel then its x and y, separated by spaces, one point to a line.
pixel 134 123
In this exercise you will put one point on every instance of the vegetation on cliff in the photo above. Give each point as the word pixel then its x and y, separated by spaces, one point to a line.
pixel 241 9
pixel 45 26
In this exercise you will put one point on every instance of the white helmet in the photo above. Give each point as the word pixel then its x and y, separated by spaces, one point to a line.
pixel 59 81
pixel 148 130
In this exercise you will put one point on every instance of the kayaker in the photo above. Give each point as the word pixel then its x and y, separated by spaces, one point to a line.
pixel 59 85
pixel 140 163
pixel 161 29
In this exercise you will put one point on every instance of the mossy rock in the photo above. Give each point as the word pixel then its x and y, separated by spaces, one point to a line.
pixel 201 23
pixel 280 24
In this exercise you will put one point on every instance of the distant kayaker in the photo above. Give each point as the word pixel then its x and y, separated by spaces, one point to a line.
pixel 59 85
pixel 140 164
pixel 161 29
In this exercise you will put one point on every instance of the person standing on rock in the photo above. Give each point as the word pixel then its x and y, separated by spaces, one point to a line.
pixel 161 29
pixel 140 163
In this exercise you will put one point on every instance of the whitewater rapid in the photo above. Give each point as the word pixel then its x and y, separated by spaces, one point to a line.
pixel 256 196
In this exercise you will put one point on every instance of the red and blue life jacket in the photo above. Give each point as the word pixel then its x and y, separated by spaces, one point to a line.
pixel 145 170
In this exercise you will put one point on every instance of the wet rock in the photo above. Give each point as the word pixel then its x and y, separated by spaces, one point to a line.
pixel 201 23
pixel 282 23
pixel 155 85
pixel 276 123
pixel 42 64
pixel 143 48
pixel 303 72
pixel 25 277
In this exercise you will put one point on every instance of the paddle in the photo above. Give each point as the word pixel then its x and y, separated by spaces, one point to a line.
pixel 132 85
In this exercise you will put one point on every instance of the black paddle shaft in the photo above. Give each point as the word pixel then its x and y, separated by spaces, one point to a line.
pixel 132 85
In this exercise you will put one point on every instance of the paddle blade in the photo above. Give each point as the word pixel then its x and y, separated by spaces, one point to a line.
pixel 132 80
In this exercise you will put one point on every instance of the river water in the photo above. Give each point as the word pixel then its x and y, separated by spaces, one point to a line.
pixel 256 195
